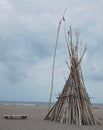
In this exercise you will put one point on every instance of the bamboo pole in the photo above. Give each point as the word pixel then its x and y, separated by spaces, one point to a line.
pixel 52 81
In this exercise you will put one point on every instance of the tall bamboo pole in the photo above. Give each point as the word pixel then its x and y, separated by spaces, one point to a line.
pixel 52 81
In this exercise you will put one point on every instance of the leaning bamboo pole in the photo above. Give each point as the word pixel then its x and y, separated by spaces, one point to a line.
pixel 54 57
pixel 53 67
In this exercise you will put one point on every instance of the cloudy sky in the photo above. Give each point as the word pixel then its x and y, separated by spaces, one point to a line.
pixel 27 39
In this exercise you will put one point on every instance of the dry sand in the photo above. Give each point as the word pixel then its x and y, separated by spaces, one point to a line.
pixel 35 119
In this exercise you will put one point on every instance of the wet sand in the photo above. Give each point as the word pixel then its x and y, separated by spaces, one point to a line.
pixel 35 118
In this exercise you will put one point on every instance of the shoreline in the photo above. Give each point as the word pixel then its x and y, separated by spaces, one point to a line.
pixel 35 120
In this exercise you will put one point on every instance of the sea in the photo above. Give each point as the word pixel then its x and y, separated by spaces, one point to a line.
pixel 26 103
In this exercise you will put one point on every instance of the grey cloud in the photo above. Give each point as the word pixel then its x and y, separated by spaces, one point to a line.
pixel 27 37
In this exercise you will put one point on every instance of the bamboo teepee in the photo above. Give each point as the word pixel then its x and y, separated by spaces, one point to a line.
pixel 73 105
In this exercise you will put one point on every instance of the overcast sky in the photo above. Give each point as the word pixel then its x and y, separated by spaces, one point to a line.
pixel 27 39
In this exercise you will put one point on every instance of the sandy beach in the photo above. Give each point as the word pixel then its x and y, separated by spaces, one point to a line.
pixel 35 118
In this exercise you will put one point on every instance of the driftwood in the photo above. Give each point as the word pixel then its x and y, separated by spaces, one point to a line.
pixel 73 105
pixel 15 116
